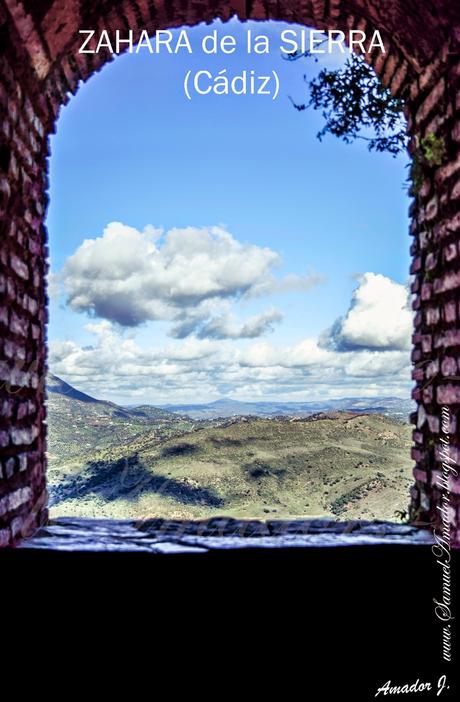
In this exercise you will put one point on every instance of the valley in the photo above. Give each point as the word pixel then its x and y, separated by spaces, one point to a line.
pixel 108 461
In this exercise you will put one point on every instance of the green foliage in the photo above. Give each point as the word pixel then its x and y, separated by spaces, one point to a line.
pixel 433 150
pixel 430 152
pixel 353 100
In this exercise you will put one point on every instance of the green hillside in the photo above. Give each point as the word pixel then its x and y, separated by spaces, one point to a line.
pixel 342 465
pixel 79 425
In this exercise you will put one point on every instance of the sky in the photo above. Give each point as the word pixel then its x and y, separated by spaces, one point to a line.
pixel 214 247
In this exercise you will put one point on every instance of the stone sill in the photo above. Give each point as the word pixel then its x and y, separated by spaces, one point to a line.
pixel 217 534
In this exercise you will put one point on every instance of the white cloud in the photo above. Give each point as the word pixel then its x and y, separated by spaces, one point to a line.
pixel 226 326
pixel 186 276
pixel 202 370
pixel 53 287
pixel 290 282
pixel 379 317
pixel 214 354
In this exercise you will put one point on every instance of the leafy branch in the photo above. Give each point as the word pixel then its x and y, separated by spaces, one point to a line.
pixel 353 100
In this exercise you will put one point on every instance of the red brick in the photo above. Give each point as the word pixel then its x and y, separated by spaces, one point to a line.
pixel 450 311
pixel 426 291
pixel 432 368
pixel 433 423
pixel 448 394
pixel 431 101
pixel 450 252
pixel 432 316
pixel 449 366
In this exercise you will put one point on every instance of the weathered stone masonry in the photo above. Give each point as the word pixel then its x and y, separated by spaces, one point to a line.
pixel 40 68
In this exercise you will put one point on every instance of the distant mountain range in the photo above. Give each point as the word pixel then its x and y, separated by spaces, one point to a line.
pixel 396 407
pixel 389 406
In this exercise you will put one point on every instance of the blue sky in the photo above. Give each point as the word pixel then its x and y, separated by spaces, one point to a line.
pixel 130 148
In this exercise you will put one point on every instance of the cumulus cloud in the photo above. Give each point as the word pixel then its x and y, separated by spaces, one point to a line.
pixel 200 370
pixel 379 317
pixel 216 321
pixel 306 354
pixel 226 326
pixel 130 277
pixel 186 276
pixel 53 288
pixel 214 354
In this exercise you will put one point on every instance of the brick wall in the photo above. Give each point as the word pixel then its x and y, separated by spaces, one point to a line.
pixel 40 68
pixel 434 120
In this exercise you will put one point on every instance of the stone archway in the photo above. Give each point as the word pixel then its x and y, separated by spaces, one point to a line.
pixel 40 68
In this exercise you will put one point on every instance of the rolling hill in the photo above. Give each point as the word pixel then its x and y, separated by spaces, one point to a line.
pixel 114 462
pixel 80 425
